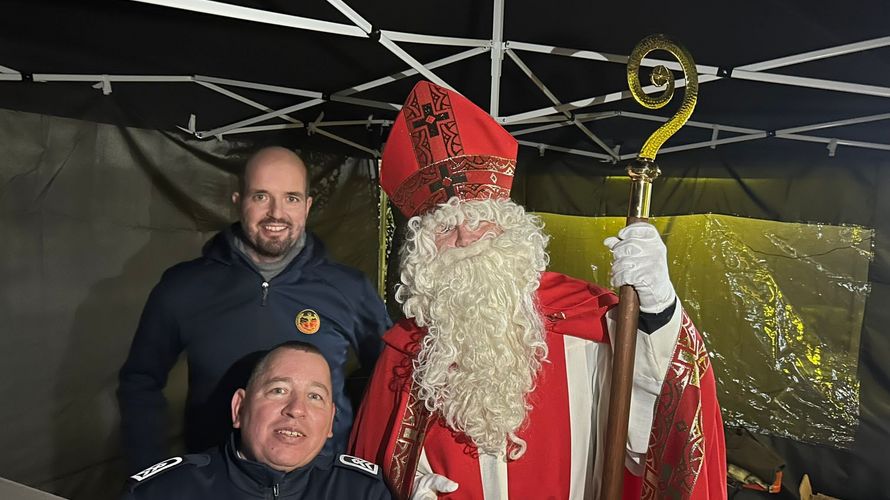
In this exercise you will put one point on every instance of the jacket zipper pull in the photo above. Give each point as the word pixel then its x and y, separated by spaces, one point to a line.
pixel 265 286
pixel 274 491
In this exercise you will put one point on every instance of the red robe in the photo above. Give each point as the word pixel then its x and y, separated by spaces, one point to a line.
pixel 675 419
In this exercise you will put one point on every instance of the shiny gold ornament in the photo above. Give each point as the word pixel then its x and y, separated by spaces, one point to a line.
pixel 662 77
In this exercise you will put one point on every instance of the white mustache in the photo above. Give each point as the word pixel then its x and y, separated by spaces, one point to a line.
pixel 475 249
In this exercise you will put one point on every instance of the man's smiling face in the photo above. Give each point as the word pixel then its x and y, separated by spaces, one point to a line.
pixel 274 203
pixel 287 412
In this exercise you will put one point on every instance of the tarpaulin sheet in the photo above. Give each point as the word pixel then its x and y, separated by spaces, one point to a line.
pixel 90 215
pixel 780 305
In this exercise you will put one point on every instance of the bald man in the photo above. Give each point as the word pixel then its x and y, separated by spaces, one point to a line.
pixel 260 282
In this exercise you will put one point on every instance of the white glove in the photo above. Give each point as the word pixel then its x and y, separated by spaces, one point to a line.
pixel 429 486
pixel 640 259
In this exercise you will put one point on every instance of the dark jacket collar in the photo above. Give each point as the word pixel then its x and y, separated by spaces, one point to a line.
pixel 221 249
pixel 254 477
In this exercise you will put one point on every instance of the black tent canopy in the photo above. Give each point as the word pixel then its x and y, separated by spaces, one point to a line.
pixel 339 69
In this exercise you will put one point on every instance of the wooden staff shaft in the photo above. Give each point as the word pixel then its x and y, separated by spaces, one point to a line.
pixel 624 346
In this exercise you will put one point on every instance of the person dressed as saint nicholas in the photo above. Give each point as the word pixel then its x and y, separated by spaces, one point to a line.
pixel 495 385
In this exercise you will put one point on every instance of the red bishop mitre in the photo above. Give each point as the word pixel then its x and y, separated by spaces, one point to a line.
pixel 442 145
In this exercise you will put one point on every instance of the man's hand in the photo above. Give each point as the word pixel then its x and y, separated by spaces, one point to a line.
pixel 429 486
pixel 640 259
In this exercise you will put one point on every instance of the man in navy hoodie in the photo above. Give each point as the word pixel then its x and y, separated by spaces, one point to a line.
pixel 260 282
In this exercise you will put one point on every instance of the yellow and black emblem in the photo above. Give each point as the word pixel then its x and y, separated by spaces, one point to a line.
pixel 308 321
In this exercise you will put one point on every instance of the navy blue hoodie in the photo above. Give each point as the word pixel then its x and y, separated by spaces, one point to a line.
pixel 223 315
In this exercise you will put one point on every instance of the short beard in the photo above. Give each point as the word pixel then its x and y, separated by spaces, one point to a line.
pixel 485 341
pixel 272 249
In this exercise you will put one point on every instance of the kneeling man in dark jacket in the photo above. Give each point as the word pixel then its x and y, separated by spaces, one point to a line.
pixel 284 415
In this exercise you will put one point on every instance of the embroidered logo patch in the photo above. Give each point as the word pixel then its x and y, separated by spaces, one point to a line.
pixel 308 321
pixel 156 468
pixel 360 464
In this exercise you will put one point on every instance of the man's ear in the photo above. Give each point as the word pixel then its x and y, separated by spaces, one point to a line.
pixel 236 198
pixel 237 401
pixel 331 429
pixel 308 205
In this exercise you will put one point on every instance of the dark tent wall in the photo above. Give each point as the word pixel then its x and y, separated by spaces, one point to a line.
pixel 772 180
pixel 90 216
pixel 92 209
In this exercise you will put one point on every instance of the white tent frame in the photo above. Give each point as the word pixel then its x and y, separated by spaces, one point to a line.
pixel 558 115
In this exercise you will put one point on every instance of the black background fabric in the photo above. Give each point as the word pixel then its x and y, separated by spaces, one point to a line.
pixel 94 206
pixel 775 180
pixel 91 216
pixel 93 213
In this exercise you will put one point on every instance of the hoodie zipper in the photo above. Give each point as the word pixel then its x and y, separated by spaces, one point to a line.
pixel 265 286
pixel 274 491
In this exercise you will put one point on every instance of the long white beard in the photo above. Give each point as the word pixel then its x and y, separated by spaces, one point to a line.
pixel 485 341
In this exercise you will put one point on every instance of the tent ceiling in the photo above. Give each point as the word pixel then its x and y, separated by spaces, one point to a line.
pixel 175 39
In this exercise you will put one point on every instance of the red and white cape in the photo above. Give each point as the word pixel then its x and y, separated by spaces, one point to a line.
pixel 675 443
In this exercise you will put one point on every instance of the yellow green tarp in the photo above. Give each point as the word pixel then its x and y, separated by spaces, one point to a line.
pixel 780 304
